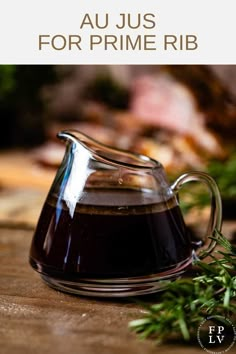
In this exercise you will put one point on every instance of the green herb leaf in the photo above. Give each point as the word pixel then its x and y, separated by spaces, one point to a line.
pixel 186 302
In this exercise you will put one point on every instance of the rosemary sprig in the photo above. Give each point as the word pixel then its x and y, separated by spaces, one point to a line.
pixel 186 302
pixel 226 180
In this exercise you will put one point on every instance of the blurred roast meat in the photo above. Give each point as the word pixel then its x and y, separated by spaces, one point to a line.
pixel 135 101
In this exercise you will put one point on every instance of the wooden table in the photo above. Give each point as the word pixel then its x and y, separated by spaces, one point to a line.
pixel 37 319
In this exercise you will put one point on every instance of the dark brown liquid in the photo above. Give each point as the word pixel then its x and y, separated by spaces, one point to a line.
pixel 106 240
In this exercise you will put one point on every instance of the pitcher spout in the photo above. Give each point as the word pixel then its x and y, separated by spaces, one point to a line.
pixel 107 154
pixel 68 135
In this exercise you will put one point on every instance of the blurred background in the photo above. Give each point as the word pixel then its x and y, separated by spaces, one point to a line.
pixel 184 116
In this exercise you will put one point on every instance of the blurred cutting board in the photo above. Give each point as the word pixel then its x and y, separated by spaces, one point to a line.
pixel 19 169
pixel 20 207
pixel 23 189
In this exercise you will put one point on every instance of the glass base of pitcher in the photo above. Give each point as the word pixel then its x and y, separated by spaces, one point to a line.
pixel 119 287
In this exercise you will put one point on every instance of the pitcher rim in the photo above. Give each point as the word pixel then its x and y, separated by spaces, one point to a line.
pixel 70 135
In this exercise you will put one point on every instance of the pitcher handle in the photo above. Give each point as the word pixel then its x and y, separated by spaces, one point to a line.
pixel 215 221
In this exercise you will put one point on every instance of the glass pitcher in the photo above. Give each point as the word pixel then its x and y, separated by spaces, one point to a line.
pixel 111 224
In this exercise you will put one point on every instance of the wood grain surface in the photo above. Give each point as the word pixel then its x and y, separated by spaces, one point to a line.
pixel 37 319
